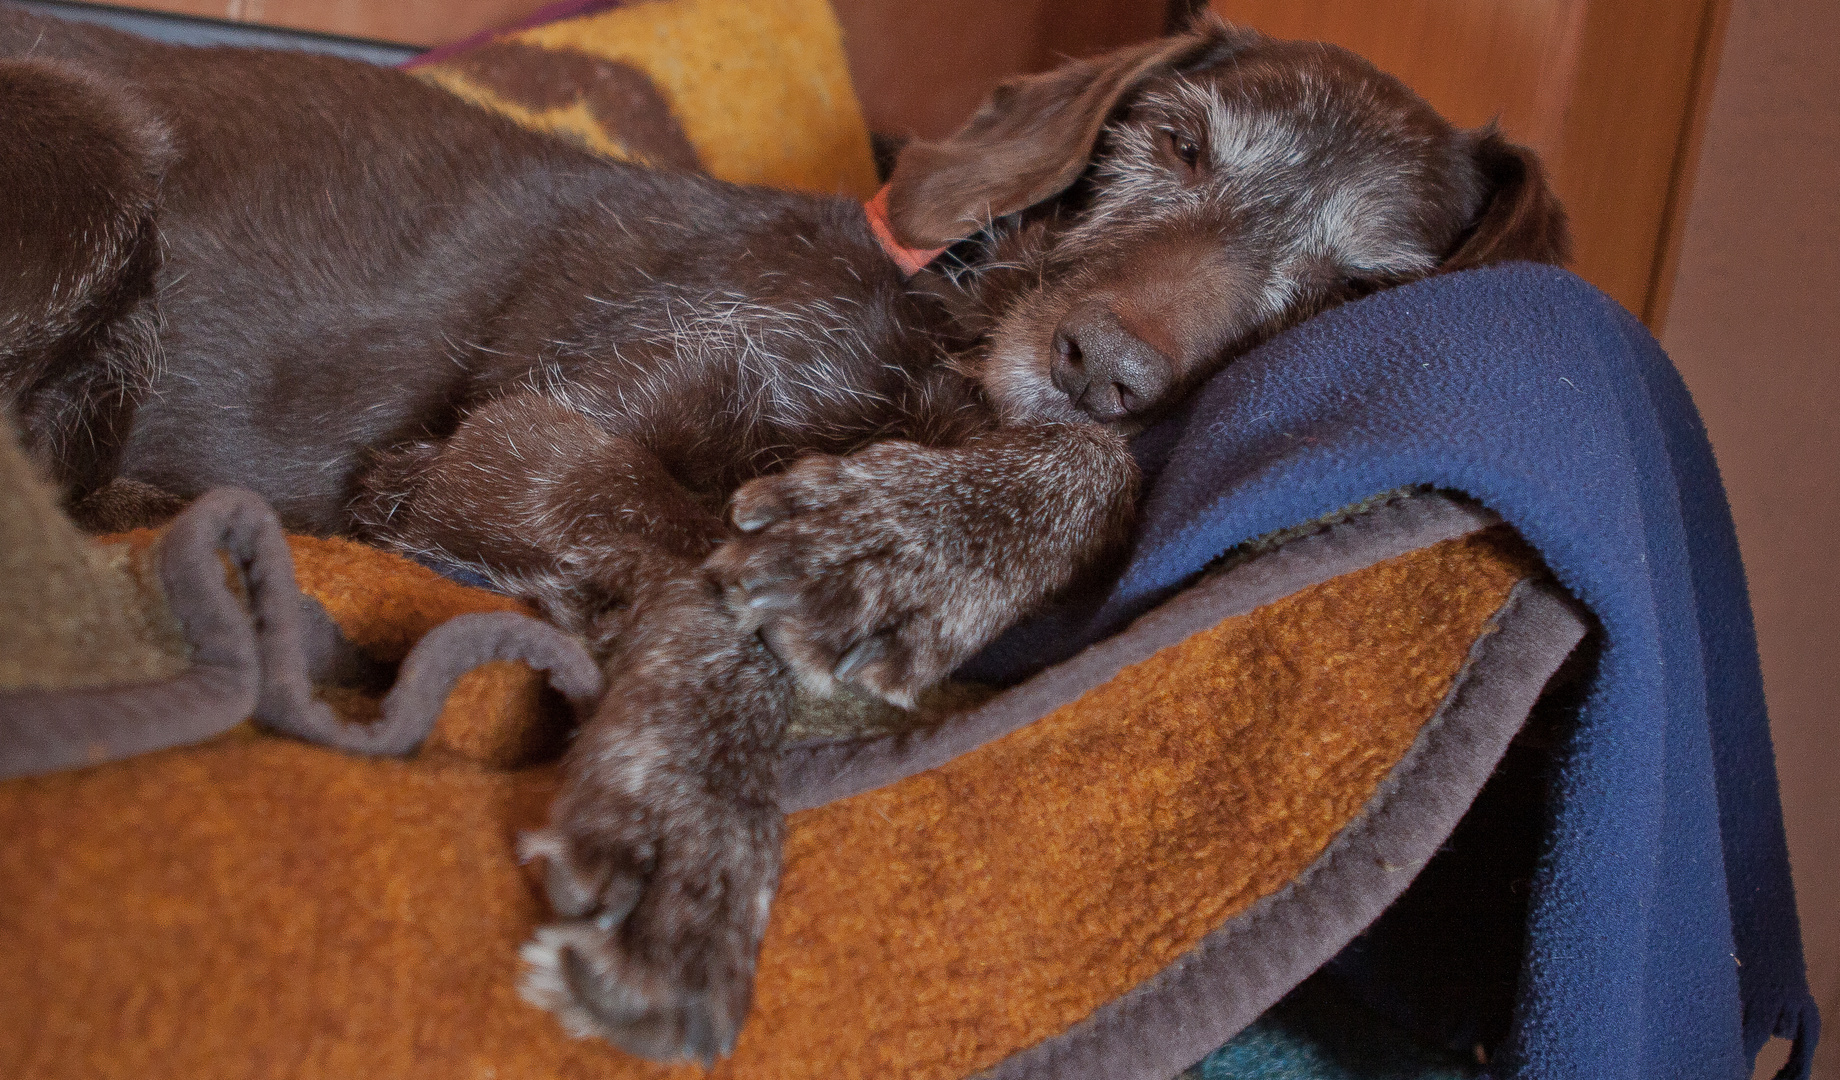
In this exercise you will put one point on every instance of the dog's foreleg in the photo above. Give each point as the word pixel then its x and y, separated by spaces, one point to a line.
pixel 664 844
pixel 888 568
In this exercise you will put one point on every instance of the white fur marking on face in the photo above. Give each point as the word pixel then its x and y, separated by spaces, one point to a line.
pixel 1130 179
pixel 1272 157
pixel 1256 144
pixel 1016 377
pixel 1355 226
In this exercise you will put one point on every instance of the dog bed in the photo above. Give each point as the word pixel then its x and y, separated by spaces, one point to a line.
pixel 1247 749
pixel 1119 861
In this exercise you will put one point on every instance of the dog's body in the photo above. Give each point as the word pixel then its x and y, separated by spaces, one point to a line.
pixel 396 316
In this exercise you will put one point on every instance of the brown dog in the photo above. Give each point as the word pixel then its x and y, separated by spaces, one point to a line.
pixel 396 316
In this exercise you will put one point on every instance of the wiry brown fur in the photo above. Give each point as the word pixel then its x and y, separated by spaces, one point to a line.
pixel 79 159
pixel 399 317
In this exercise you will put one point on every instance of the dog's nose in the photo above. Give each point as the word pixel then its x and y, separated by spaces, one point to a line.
pixel 1104 369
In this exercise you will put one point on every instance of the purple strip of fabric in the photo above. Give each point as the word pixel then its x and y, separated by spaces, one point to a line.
pixel 548 13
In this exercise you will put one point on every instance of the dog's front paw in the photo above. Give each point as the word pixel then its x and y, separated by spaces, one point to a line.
pixel 855 570
pixel 664 906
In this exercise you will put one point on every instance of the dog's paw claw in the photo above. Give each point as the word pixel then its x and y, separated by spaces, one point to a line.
pixel 577 970
pixel 662 915
pixel 575 887
pixel 806 486
pixel 874 664
pixel 757 514
pixel 870 650
pixel 831 571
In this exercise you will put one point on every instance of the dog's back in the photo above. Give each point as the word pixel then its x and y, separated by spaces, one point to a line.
pixel 406 252
pixel 362 213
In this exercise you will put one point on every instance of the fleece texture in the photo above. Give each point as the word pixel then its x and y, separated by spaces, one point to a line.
pixel 1661 938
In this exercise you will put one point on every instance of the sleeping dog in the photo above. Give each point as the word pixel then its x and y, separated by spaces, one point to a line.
pixel 739 440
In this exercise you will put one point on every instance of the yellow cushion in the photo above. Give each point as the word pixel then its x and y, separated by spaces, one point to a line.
pixel 759 89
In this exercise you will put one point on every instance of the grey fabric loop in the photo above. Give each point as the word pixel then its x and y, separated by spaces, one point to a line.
pixel 464 642
pixel 298 644
pixel 192 574
pixel 270 631
pixel 262 658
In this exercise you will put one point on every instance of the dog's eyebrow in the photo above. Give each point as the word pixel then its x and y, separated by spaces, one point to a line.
pixel 1240 135
pixel 1252 140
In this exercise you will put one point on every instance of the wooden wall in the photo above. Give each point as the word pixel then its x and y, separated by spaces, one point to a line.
pixel 1754 332
pixel 921 68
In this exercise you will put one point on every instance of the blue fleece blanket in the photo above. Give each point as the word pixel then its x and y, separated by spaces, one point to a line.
pixel 1661 937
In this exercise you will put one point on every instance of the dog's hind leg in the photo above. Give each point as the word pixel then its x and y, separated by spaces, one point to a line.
pixel 544 502
pixel 80 170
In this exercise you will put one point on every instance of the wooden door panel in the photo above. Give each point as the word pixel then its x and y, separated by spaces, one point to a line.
pixel 1473 61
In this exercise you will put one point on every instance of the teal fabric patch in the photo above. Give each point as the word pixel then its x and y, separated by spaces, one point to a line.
pixel 1317 1033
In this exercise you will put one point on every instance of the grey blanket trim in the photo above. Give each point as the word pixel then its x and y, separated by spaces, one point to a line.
pixel 816 773
pixel 1239 970
pixel 262 658
pixel 267 666
pixel 464 642
pixel 46 730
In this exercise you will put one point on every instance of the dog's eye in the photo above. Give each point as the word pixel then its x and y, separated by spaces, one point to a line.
pixel 1185 148
pixel 1356 287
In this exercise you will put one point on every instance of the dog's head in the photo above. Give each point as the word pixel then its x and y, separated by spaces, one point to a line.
pixel 1146 216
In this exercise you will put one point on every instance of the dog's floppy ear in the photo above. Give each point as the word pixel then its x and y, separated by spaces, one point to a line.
pixel 1029 140
pixel 1520 217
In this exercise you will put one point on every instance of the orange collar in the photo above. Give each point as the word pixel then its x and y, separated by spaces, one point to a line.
pixel 910 260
